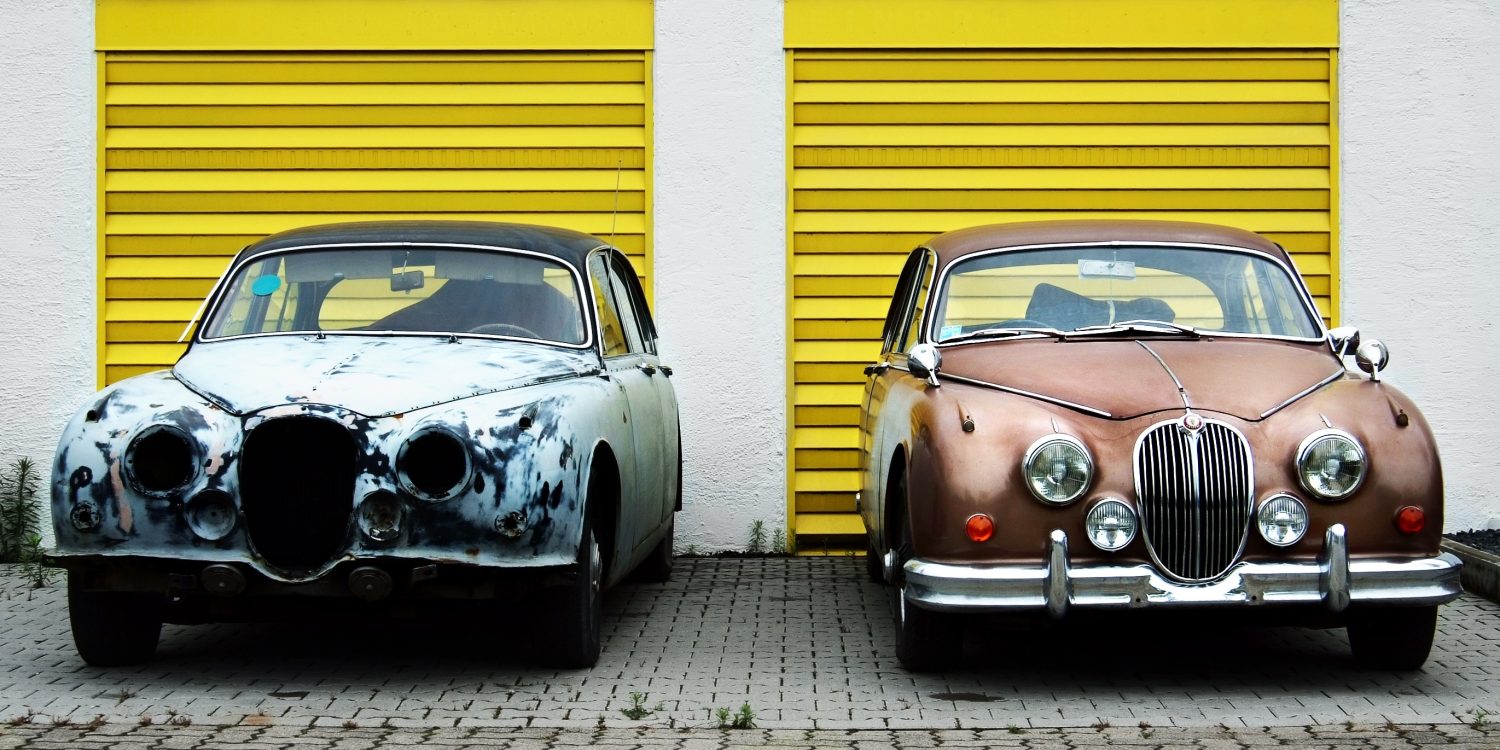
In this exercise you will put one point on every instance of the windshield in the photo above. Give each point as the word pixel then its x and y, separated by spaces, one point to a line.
pixel 1086 288
pixel 401 290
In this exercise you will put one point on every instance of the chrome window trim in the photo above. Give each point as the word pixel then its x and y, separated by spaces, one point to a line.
pixel 1058 437
pixel 1308 305
pixel 1307 444
pixel 220 288
pixel 1141 510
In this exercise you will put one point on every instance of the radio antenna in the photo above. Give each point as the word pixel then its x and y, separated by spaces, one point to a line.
pixel 615 214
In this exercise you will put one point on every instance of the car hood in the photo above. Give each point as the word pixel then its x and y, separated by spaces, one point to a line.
pixel 373 376
pixel 1247 378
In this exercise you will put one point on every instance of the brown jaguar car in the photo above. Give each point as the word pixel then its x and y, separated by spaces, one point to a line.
pixel 1141 416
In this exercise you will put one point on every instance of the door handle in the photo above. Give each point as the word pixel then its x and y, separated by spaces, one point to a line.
pixel 876 368
pixel 648 369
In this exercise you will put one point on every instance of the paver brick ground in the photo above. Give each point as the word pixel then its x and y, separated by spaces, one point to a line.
pixel 806 643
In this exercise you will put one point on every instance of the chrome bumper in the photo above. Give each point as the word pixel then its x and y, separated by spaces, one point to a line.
pixel 1334 581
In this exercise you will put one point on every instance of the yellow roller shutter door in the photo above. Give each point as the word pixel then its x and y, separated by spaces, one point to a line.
pixel 204 152
pixel 891 147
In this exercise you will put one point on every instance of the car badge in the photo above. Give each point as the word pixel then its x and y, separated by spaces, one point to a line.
pixel 1191 422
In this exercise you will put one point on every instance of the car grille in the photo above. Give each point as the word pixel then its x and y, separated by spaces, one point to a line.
pixel 1195 490
pixel 297 491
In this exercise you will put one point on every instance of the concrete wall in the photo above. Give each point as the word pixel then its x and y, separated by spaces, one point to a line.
pixel 46 223
pixel 1421 218
pixel 1421 206
pixel 720 222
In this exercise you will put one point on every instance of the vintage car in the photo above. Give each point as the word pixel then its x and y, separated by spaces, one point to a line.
pixel 387 414
pixel 1141 416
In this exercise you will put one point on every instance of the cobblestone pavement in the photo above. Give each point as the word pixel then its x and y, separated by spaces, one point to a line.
pixel 806 643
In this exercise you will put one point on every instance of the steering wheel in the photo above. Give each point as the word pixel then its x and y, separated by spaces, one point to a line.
pixel 505 329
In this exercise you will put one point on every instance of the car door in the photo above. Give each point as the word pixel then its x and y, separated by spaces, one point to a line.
pixel 625 362
pixel 628 291
pixel 874 435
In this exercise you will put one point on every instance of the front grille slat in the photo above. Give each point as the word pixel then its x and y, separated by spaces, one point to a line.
pixel 1195 493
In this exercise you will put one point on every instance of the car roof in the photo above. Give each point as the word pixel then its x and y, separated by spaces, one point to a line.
pixel 564 244
pixel 961 242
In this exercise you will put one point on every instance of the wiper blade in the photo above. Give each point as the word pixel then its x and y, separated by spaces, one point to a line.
pixel 1138 326
pixel 1001 333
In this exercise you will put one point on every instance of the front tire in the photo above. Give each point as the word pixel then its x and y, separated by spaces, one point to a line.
pixel 114 628
pixel 573 642
pixel 1392 638
pixel 926 641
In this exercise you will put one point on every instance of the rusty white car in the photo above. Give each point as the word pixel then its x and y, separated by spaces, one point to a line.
pixel 384 415
pixel 1143 417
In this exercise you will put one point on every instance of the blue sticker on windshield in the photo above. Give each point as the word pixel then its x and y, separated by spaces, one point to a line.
pixel 948 332
pixel 265 285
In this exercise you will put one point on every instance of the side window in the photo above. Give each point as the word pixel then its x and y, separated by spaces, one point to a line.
pixel 900 302
pixel 914 324
pixel 612 331
pixel 628 315
pixel 628 292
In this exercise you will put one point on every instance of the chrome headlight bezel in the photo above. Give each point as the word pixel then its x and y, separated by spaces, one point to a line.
pixel 1068 441
pixel 1135 523
pixel 1304 452
pixel 1265 505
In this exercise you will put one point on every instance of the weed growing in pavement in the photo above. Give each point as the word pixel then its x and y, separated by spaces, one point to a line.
pixel 144 721
pixel 23 719
pixel 1481 718
pixel 1349 725
pixel 637 709
pixel 122 695
pixel 21 522
pixel 61 721
pixel 757 544
pixel 1100 725
pixel 1013 729
pixel 180 721
pixel 1145 730
pixel 96 722
pixel 741 719
pixel 351 724
pixel 778 543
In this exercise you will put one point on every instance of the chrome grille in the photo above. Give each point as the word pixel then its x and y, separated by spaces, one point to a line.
pixel 1195 490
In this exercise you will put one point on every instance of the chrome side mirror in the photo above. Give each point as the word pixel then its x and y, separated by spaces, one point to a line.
pixel 924 361
pixel 1344 339
pixel 1372 357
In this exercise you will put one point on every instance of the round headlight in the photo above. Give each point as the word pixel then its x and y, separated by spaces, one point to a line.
pixel 161 460
pixel 1110 524
pixel 1058 469
pixel 433 464
pixel 1330 464
pixel 1282 520
pixel 211 514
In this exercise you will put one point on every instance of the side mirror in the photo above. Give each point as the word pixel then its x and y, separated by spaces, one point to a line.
pixel 1344 339
pixel 924 361
pixel 1372 357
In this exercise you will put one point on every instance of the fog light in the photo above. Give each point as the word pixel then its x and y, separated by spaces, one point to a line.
pixel 1282 520
pixel 86 516
pixel 1411 520
pixel 1110 525
pixel 211 514
pixel 380 516
pixel 980 527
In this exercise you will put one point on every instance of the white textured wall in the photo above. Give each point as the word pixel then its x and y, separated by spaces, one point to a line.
pixel 46 223
pixel 1420 88
pixel 720 266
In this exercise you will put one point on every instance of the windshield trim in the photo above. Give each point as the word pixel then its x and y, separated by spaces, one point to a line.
pixel 221 290
pixel 1308 306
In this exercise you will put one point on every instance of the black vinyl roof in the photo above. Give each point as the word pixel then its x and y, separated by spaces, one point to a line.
pixel 564 244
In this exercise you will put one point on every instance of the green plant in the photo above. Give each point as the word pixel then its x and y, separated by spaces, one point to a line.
pixel 1481 718
pixel 351 724
pixel 1013 729
pixel 741 719
pixel 778 543
pixel 20 512
pixel 637 709
pixel 757 537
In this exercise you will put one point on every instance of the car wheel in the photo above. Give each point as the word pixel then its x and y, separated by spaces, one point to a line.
pixel 657 567
pixel 1396 638
pixel 574 636
pixel 926 641
pixel 114 628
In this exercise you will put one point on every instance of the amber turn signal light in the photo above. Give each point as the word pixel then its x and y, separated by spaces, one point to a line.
pixel 1411 519
pixel 980 527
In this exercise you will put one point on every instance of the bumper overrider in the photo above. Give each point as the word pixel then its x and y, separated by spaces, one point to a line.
pixel 1333 580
